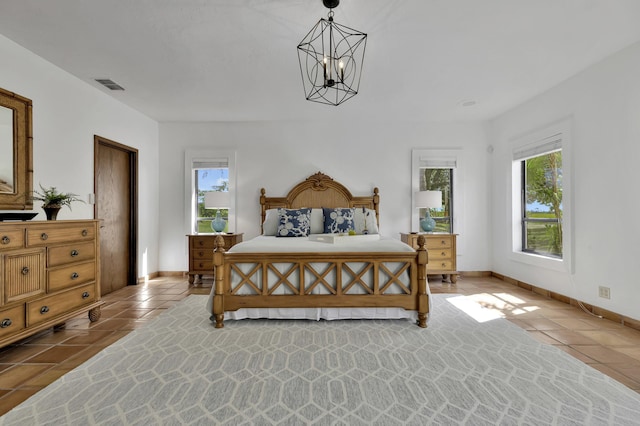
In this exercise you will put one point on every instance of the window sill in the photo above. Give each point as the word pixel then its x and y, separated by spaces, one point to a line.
pixel 539 261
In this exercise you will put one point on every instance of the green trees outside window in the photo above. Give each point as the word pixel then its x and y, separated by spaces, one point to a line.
pixel 542 204
pixel 207 180
pixel 432 179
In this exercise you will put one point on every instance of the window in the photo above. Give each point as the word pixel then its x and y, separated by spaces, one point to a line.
pixel 209 177
pixel 541 208
pixel 205 172
pixel 541 204
pixel 438 170
pixel 433 179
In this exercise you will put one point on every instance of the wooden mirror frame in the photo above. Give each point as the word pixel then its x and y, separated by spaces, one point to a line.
pixel 19 199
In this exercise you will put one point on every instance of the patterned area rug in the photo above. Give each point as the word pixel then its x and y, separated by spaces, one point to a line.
pixel 180 370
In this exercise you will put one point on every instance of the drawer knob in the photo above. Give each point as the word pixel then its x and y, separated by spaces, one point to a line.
pixel 5 323
pixel 201 242
pixel 443 254
pixel 25 270
pixel 5 239
pixel 74 253
pixel 85 232
pixel 443 242
pixel 74 276
pixel 444 264
pixel 44 236
pixel 85 295
pixel 44 310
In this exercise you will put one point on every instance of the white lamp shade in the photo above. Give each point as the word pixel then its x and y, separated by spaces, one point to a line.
pixel 428 199
pixel 216 200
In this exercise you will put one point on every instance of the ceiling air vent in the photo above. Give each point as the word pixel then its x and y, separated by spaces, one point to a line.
pixel 110 84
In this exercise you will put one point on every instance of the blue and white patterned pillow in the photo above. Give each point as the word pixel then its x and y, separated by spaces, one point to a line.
pixel 338 220
pixel 294 222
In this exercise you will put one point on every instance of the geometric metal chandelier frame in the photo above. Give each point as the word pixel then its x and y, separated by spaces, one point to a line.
pixel 331 58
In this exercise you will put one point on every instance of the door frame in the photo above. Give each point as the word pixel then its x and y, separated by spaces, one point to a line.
pixel 132 274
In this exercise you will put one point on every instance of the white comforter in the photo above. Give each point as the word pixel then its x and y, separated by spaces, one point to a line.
pixel 266 244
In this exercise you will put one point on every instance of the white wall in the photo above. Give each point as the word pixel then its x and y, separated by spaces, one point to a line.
pixel 67 113
pixel 604 105
pixel 276 155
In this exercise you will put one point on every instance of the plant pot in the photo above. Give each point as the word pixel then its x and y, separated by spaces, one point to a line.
pixel 51 212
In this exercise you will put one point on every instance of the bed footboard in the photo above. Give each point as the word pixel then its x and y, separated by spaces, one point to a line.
pixel 315 280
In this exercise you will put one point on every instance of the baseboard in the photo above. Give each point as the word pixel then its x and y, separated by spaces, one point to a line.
pixel 596 310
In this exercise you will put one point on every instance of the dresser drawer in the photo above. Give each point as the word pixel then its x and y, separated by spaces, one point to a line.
pixel 12 320
pixel 11 238
pixel 60 234
pixel 23 274
pixel 438 242
pixel 70 276
pixel 49 307
pixel 78 252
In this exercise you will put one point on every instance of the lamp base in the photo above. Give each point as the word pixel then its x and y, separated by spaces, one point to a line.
pixel 218 224
pixel 428 224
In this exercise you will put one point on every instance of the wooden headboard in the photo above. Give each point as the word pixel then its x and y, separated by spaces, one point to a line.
pixel 317 191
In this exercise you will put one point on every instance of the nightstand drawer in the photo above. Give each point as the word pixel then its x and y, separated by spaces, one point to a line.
pixel 202 265
pixel 439 265
pixel 204 254
pixel 438 242
pixel 435 254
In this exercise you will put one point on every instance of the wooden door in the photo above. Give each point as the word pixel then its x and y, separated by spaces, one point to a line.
pixel 115 183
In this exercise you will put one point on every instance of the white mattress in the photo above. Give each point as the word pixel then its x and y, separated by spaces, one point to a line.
pixel 263 244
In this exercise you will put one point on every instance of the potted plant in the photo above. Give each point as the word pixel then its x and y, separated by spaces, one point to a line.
pixel 53 200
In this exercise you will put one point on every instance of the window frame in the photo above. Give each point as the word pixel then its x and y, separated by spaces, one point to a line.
pixel 194 156
pixel 433 159
pixel 525 219
pixel 546 139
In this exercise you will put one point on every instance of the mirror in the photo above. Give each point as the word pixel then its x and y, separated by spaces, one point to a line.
pixel 16 162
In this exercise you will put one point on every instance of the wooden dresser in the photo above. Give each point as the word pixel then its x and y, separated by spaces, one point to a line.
pixel 49 272
pixel 201 252
pixel 442 253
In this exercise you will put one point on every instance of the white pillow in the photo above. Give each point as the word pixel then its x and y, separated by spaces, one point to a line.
pixel 359 220
pixel 271 222
pixel 317 221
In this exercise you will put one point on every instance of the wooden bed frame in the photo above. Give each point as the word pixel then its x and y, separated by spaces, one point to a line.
pixel 319 190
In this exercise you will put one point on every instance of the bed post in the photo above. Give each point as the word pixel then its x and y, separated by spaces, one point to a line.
pixel 218 298
pixel 423 297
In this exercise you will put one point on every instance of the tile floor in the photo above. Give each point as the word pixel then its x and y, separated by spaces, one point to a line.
pixel 29 365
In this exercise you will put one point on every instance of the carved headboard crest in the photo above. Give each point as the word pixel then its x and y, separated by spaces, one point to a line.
pixel 319 181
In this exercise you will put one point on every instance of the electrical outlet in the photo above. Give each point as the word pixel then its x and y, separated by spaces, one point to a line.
pixel 604 292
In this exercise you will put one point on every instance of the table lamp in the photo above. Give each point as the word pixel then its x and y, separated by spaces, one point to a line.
pixel 217 200
pixel 428 200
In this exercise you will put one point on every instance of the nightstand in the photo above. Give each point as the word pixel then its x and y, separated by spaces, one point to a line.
pixel 201 252
pixel 442 252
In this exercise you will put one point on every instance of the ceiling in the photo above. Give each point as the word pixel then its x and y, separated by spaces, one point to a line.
pixel 236 60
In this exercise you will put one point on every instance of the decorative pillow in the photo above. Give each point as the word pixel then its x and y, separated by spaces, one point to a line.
pixel 271 221
pixel 294 222
pixel 364 216
pixel 338 220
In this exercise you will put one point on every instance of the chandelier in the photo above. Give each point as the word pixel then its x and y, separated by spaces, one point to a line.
pixel 331 57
